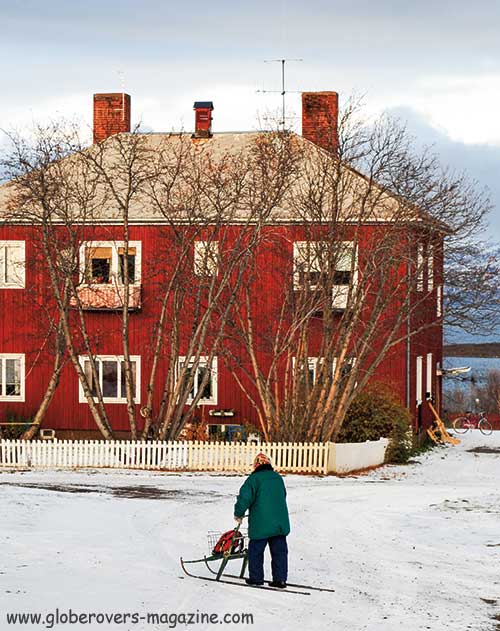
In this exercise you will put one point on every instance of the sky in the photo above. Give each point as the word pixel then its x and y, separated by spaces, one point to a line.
pixel 433 63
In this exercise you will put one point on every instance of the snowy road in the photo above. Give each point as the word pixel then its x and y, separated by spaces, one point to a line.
pixel 414 547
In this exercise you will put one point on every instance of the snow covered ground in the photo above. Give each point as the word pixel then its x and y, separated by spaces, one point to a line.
pixel 409 547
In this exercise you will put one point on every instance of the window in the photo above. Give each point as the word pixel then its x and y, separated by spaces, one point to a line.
pixel 11 377
pixel 12 264
pixel 345 274
pixel 419 380
pixel 420 267
pixel 430 269
pixel 206 255
pixel 313 366
pixel 130 258
pixel 428 377
pixel 209 394
pixel 111 376
pixel 103 262
pixel 439 301
pixel 346 368
pixel 311 261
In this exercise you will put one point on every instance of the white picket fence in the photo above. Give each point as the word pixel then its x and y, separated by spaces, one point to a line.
pixel 161 455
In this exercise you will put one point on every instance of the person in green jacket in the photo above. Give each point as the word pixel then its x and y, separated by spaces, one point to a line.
pixel 264 495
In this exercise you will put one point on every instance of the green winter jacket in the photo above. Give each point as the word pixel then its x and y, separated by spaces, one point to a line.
pixel 264 495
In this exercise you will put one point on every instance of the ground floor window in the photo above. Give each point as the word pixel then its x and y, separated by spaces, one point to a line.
pixel 205 378
pixel 110 375
pixel 11 377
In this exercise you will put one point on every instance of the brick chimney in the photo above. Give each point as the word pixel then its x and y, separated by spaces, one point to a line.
pixel 203 119
pixel 320 113
pixel 111 115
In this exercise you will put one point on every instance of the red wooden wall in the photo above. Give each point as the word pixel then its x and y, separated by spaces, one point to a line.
pixel 24 325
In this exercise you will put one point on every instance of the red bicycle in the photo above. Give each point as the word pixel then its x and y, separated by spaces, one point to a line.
pixel 471 421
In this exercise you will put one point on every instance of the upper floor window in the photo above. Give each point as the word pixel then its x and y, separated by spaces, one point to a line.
pixel 425 267
pixel 104 262
pixel 206 255
pixel 430 268
pixel 420 267
pixel 110 375
pixel 12 264
pixel 439 301
pixel 315 260
pixel 11 377
pixel 204 378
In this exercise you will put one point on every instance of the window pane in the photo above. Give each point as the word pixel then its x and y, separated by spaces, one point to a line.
pixel 13 265
pixel 188 374
pixel 3 261
pixel 341 277
pixel 109 378
pixel 123 393
pixel 202 374
pixel 345 256
pixel 13 377
pixel 87 368
pixel 131 268
pixel 206 254
pixel 99 270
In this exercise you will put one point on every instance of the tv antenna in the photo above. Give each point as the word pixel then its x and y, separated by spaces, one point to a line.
pixel 283 90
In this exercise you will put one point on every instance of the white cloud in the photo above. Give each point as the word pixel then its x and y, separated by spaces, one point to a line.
pixel 465 108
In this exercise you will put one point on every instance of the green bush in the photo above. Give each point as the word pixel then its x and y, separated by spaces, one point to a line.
pixel 375 413
pixel 14 431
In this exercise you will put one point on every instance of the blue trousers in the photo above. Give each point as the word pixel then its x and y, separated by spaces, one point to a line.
pixel 279 558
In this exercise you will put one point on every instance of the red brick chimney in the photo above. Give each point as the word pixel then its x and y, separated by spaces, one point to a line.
pixel 111 115
pixel 320 113
pixel 203 119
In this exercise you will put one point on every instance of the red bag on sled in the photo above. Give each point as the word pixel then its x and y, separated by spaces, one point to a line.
pixel 231 541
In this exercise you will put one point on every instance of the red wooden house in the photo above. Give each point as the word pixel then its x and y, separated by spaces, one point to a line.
pixel 411 367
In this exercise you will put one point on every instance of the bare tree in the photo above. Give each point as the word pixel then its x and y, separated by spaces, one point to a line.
pixel 56 201
pixel 366 278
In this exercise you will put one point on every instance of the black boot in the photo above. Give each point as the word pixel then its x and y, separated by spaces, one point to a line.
pixel 279 584
pixel 250 581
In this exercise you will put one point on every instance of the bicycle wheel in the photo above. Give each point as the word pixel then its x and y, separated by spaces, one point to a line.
pixel 485 427
pixel 461 425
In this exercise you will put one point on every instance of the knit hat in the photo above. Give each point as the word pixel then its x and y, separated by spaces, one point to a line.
pixel 260 459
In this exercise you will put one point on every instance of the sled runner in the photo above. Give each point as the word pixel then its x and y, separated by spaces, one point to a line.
pixel 232 545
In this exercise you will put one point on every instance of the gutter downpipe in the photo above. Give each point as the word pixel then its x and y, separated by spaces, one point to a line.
pixel 408 323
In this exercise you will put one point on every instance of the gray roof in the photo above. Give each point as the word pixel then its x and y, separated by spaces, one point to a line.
pixel 222 148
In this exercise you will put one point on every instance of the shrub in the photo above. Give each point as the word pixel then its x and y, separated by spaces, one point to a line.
pixel 14 431
pixel 375 413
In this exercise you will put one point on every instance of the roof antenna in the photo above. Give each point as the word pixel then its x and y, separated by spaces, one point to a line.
pixel 283 91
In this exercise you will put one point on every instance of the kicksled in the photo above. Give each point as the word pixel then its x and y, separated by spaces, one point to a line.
pixel 233 546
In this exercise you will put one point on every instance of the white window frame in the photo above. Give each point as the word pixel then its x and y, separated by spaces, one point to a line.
pixel 22 374
pixel 430 268
pixel 205 258
pixel 420 267
pixel 344 264
pixel 203 363
pixel 439 301
pixel 114 270
pixel 20 272
pixel 428 376
pixel 312 363
pixel 419 383
pixel 119 359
